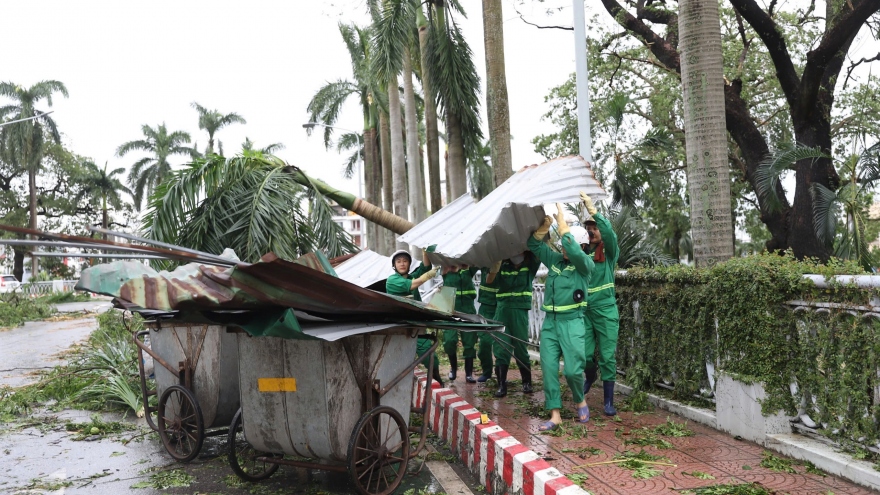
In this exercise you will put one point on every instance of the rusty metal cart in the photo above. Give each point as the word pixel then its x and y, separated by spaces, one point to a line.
pixel 341 405
pixel 196 370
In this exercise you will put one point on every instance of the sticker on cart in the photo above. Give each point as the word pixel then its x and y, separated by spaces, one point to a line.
pixel 276 384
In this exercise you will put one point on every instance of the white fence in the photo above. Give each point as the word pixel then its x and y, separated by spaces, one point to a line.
pixel 52 286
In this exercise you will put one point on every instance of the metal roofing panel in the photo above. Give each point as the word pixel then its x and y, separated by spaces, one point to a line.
pixel 365 268
pixel 478 234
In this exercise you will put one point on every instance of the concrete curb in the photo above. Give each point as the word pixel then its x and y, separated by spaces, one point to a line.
pixel 501 463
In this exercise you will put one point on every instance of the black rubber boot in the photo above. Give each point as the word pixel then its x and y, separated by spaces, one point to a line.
pixel 469 370
pixel 453 363
pixel 526 375
pixel 502 381
pixel 591 374
pixel 608 388
pixel 436 376
pixel 487 373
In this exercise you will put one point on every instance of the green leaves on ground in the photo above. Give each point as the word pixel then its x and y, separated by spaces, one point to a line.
pixel 163 480
pixel 96 426
pixel 17 308
pixel 729 489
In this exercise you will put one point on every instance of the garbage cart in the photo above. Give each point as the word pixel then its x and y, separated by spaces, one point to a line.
pixel 341 405
pixel 196 371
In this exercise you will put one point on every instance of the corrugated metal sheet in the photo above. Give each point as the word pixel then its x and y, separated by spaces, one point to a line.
pixel 498 227
pixel 365 268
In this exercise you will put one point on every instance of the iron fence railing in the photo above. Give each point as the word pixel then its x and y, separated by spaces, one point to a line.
pixel 52 286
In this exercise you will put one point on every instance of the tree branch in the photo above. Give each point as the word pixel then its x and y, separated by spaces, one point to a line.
pixel 662 49
pixel 853 66
pixel 564 28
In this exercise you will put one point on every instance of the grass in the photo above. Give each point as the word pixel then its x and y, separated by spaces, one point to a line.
pixel 100 375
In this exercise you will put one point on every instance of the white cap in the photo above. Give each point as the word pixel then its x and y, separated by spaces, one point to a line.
pixel 580 235
pixel 398 253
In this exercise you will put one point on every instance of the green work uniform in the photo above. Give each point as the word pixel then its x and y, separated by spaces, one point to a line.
pixel 465 294
pixel 563 333
pixel 602 318
pixel 400 285
pixel 513 302
pixel 487 310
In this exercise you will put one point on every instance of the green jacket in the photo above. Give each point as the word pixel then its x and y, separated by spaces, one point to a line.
pixel 566 280
pixel 487 290
pixel 601 292
pixel 515 284
pixel 465 292
pixel 399 285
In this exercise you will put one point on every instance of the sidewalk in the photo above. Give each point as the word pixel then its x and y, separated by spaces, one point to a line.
pixel 705 453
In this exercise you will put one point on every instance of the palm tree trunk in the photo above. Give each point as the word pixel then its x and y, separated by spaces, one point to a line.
pixel 413 148
pixel 431 135
pixel 705 130
pixel 18 264
pixel 456 174
pixel 498 111
pixel 398 157
pixel 370 185
pixel 387 176
pixel 32 207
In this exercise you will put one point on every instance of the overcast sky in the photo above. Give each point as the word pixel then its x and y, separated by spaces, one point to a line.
pixel 126 64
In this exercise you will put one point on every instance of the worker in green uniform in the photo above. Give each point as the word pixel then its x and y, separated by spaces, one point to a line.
pixel 563 333
pixel 602 318
pixel 514 278
pixel 405 284
pixel 487 310
pixel 462 279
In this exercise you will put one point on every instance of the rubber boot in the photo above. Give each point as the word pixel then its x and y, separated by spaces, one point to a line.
pixel 453 363
pixel 608 387
pixel 487 373
pixel 526 375
pixel 469 370
pixel 502 380
pixel 436 376
pixel 591 374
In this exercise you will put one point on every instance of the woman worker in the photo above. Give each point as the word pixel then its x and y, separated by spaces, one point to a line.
pixel 462 279
pixel 514 300
pixel 405 284
pixel 563 333
pixel 602 319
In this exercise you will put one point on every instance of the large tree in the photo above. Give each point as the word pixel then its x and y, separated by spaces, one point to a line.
pixel 806 83
pixel 23 140
pixel 212 121
pixel 497 108
pixel 105 188
pixel 160 145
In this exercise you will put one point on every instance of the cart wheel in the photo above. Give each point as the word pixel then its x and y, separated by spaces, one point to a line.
pixel 243 457
pixel 180 423
pixel 378 451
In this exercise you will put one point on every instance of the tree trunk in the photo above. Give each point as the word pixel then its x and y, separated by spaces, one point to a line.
pixel 431 135
pixel 398 157
pixel 370 186
pixel 813 132
pixel 497 107
pixel 708 170
pixel 18 264
pixel 32 207
pixel 413 148
pixel 387 175
pixel 457 175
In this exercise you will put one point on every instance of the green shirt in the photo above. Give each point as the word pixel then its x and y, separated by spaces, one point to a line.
pixel 601 292
pixel 515 283
pixel 487 290
pixel 399 285
pixel 565 278
pixel 465 292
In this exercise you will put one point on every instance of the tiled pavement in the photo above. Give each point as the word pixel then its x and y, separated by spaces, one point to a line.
pixel 708 451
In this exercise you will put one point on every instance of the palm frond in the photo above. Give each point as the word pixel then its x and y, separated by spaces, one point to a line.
pixel 635 247
pixel 826 209
pixel 769 171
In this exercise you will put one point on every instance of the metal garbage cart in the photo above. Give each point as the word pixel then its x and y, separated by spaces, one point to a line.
pixel 196 383
pixel 340 406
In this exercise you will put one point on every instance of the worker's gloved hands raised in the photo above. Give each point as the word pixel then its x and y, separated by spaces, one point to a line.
pixel 427 276
pixel 544 228
pixel 495 268
pixel 561 227
pixel 588 203
pixel 431 248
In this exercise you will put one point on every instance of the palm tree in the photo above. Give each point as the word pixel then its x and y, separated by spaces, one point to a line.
pixel 210 205
pixel 497 109
pixel 23 141
pixel 148 172
pixel 432 138
pixel 248 145
pixel 105 187
pixel 212 121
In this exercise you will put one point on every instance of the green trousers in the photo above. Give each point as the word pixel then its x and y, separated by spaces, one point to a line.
pixel 516 325
pixel 564 337
pixel 422 346
pixel 485 339
pixel 468 341
pixel 603 324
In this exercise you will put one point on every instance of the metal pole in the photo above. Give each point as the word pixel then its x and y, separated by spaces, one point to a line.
pixel 26 118
pixel 582 81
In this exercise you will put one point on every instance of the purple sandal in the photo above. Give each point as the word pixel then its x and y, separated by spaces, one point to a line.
pixel 548 426
pixel 583 414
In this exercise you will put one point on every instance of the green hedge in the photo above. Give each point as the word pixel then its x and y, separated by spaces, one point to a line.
pixel 833 355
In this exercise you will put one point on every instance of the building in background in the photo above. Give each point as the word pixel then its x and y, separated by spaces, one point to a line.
pixel 352 223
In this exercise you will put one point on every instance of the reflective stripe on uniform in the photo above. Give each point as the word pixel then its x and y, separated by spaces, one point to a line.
pixel 566 269
pixel 514 294
pixel 465 292
pixel 601 287
pixel 523 269
pixel 489 289
pixel 557 309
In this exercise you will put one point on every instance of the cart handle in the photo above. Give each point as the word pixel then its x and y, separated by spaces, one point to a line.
pixel 408 371
pixel 138 342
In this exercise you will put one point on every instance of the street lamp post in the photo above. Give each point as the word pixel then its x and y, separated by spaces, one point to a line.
pixel 26 118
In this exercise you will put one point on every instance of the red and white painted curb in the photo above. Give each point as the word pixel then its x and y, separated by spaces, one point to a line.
pixel 502 464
